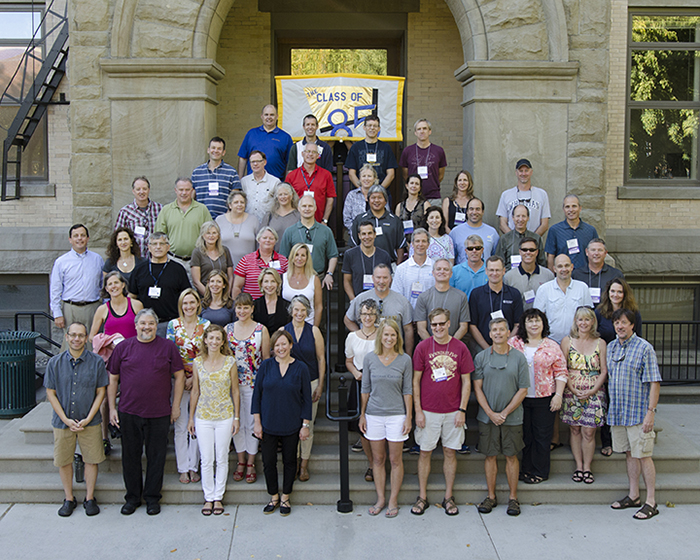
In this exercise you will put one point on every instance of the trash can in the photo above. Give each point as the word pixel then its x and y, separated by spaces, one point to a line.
pixel 17 372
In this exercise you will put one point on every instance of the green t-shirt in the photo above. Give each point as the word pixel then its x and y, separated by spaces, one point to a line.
pixel 503 375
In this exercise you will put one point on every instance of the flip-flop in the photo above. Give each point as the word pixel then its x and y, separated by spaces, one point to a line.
pixel 606 451
pixel 207 511
pixel 648 511
pixel 625 503
pixel 375 510
pixel 218 510
pixel 184 478
pixel 392 512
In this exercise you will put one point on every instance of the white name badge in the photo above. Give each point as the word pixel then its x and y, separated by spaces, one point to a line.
pixel 308 193
pixel 440 374
pixel 275 265
pixel 154 292
pixel 367 282
pixel 460 217
pixel 530 296
pixel 140 231
pixel 515 260
pixel 214 188
pixel 497 315
pixel 416 289
pixel 595 294
pixel 423 171
pixel 311 248
pixel 371 158
pixel 378 230
pixel 572 244
pixel 408 226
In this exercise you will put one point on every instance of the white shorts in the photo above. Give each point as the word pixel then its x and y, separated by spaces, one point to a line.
pixel 439 426
pixel 385 427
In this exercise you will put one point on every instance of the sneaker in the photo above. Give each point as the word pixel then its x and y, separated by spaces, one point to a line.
pixel 465 450
pixel 67 507
pixel 107 446
pixel 91 507
pixel 415 450
pixel 357 446
pixel 406 447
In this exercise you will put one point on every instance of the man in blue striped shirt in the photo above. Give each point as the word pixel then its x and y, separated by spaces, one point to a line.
pixel 213 181
pixel 634 384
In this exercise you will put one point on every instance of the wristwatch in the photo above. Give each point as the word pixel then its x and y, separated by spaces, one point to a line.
pixel 652 409
pixel 325 221
pixel 304 425
pixel 462 410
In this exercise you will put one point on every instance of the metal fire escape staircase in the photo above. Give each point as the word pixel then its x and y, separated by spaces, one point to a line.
pixel 34 97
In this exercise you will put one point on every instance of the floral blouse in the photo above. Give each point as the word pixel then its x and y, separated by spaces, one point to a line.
pixel 214 391
pixel 248 354
pixel 439 248
pixel 189 347
pixel 550 365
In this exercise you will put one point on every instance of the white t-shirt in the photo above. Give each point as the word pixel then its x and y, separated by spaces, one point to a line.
pixel 536 200
pixel 357 348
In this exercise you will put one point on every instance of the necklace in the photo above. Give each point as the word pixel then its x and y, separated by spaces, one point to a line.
pixel 367 335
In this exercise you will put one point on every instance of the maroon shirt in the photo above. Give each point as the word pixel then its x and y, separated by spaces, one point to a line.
pixel 145 370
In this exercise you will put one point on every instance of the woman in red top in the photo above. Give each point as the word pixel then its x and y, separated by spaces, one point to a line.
pixel 248 269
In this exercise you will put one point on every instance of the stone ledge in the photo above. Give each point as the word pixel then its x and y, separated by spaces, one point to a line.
pixel 666 241
pixel 173 67
pixel 37 190
pixel 658 192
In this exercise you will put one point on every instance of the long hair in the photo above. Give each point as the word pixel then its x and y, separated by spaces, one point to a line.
pixel 113 251
pixel 225 293
pixel 421 198
pixel 534 312
pixel 470 188
pixel 308 267
pixel 385 323
pixel 225 349
pixel 103 291
pixel 275 203
pixel 201 244
pixel 441 228
pixel 584 312
pixel 628 301
pixel 188 292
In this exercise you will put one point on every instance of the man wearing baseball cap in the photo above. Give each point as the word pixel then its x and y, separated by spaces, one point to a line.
pixel 533 198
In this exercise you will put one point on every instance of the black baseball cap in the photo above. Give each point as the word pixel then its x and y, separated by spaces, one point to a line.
pixel 522 162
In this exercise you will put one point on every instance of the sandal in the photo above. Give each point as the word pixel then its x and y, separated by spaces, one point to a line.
pixel 449 506
pixel 392 512
pixel 218 510
pixel 369 475
pixel 194 477
pixel 184 478
pixel 606 451
pixel 250 478
pixel 626 502
pixel 553 446
pixel 577 476
pixel 420 506
pixel 646 512
pixel 206 511
pixel 533 479
pixel 375 510
pixel 487 505
pixel 238 475
pixel 513 507
pixel 588 477
pixel 271 506
pixel 285 508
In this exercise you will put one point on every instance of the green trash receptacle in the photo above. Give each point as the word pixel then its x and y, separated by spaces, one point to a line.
pixel 17 372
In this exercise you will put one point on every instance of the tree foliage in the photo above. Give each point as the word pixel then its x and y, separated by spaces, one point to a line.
pixel 339 61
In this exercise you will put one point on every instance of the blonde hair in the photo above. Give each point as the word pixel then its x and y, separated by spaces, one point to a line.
pixel 272 272
pixel 187 292
pixel 308 267
pixel 383 324
pixel 584 312
pixel 201 244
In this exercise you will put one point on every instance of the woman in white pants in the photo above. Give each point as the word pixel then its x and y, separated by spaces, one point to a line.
pixel 214 410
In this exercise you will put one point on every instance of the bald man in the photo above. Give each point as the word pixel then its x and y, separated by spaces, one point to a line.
pixel 274 142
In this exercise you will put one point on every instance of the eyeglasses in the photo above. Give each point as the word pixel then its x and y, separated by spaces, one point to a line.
pixel 308 235
pixel 367 314
pixel 477 248
pixel 438 324
pixel 253 161
pixel 528 249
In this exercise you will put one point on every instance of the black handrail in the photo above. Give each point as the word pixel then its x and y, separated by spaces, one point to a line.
pixel 33 315
pixel 677 346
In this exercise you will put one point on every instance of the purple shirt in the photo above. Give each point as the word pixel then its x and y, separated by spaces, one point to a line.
pixel 433 158
pixel 145 370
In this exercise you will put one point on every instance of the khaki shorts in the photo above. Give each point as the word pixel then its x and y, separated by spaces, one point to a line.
pixel 90 441
pixel 496 440
pixel 439 426
pixel 634 440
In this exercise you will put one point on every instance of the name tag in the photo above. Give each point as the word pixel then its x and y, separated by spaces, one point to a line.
pixel 497 315
pixel 408 226
pixel 530 296
pixel 378 230
pixel 310 247
pixel 572 244
pixel 308 193
pixel 515 260
pixel 440 374
pixel 275 265
pixel 423 171
pixel 214 188
pixel 367 282
pixel 460 217
pixel 154 292
pixel 371 158
pixel 416 289
pixel 595 294
pixel 139 231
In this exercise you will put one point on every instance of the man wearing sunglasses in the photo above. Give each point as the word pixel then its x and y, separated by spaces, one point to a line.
pixel 471 273
pixel 529 274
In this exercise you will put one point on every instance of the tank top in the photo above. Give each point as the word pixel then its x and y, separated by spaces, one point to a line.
pixel 417 216
pixel 304 349
pixel 453 209
pixel 214 391
pixel 288 293
pixel 122 324
pixel 248 353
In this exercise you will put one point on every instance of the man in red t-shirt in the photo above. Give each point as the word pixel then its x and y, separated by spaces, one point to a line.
pixel 442 366
pixel 311 178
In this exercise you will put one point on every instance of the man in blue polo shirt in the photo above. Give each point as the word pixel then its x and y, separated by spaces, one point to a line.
pixel 570 236
pixel 493 300
pixel 271 140
pixel 214 180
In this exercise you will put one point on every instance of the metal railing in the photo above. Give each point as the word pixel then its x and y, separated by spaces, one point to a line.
pixel 677 345
pixel 33 315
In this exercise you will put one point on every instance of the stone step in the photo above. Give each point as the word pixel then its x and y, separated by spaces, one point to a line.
pixel 323 489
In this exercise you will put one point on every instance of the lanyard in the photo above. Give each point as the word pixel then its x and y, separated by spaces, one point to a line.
pixel 364 270
pixel 150 269
pixel 427 157
pixel 590 279
pixel 304 174
pixel 491 298
pixel 376 147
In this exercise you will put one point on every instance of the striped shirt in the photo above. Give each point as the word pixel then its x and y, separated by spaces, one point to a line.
pixel 213 187
pixel 632 367
pixel 250 266
pixel 134 218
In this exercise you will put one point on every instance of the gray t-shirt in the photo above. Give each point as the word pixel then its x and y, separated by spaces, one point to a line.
pixel 528 285
pixel 454 300
pixel 503 376
pixel 394 305
pixel 387 385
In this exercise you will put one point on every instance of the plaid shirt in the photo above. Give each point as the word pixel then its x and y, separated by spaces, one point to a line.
pixel 632 367
pixel 131 216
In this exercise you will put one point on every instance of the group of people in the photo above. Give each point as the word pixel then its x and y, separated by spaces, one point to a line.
pixel 206 315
